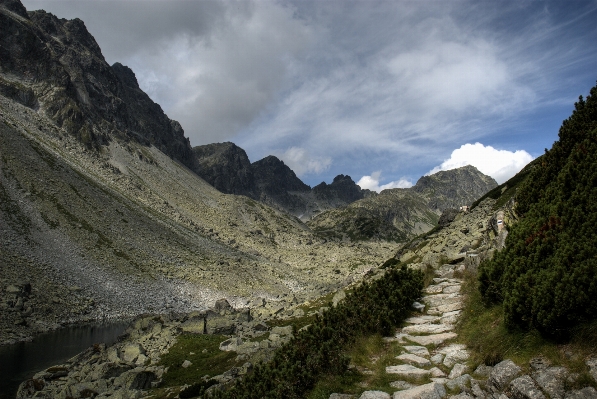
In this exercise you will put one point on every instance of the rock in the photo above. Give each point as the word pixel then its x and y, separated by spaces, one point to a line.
pixel 434 289
pixel 477 391
pixel 450 307
pixel 257 303
pixel 284 331
pixel 551 380
pixel 419 307
pixel 222 325
pixel 585 393
pixel 458 382
pixel 482 370
pixel 457 371
pixel 592 364
pixel 135 379
pixel 433 339
pixel 437 373
pixel 539 363
pixel 414 360
pixel 434 301
pixel 524 387
pixel 428 391
pixel 260 327
pixel 454 357
pixel 339 296
pixel 408 371
pixel 427 328
pixel 422 319
pixel 230 344
pixel 130 352
pixel 374 395
pixel 28 388
pixel 194 326
pixel 437 358
pixel 401 385
pixel 222 305
pixel 186 364
pixel 503 373
pixel 105 371
pixel 462 395
pixel 417 350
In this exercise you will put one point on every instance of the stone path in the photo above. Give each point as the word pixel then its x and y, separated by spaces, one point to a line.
pixel 430 364
pixel 433 366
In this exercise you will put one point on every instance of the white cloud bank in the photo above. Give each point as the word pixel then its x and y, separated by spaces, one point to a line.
pixel 499 164
pixel 372 183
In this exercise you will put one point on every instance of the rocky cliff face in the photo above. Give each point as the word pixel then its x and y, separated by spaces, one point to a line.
pixel 56 67
pixel 227 167
pixel 398 214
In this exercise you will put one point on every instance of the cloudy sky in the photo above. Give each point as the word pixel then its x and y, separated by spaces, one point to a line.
pixel 384 91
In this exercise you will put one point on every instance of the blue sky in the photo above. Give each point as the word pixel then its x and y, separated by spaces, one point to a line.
pixel 384 91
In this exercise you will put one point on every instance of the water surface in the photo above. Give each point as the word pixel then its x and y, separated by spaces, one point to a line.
pixel 21 361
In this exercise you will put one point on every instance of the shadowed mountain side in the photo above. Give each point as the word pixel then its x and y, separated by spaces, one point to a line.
pixel 227 168
pixel 55 67
pixel 401 213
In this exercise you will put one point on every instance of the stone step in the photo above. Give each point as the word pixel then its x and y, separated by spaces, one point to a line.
pixel 432 390
pixel 440 310
pixel 414 360
pixel 433 339
pixel 428 328
pixel 408 371
pixel 426 319
pixel 438 300
pixel 417 350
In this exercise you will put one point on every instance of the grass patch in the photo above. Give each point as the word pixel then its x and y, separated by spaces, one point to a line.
pixel 483 330
pixel 369 357
pixel 205 354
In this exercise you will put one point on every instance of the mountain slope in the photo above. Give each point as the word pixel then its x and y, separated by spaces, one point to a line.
pixel 398 214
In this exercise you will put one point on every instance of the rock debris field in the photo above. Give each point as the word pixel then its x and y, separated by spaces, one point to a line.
pixel 433 366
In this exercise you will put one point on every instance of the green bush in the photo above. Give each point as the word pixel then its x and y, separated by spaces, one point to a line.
pixel 370 308
pixel 546 276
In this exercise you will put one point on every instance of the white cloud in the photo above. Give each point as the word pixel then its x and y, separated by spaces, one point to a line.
pixel 499 164
pixel 372 183
pixel 302 163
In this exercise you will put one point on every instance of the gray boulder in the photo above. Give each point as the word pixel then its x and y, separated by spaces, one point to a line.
pixel 503 373
pixel 524 388
pixel 551 380
pixel 585 393
pixel 374 395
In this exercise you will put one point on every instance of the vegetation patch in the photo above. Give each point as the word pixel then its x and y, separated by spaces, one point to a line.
pixel 483 329
pixel 203 351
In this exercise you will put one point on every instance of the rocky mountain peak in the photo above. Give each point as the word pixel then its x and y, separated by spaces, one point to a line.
pixel 126 75
pixel 56 67
pixel 454 188
pixel 272 172
pixel 342 187
pixel 15 6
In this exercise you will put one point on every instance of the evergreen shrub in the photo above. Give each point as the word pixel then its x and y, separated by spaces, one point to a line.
pixel 546 276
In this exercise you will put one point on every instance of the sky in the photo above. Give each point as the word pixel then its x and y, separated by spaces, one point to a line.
pixel 383 91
